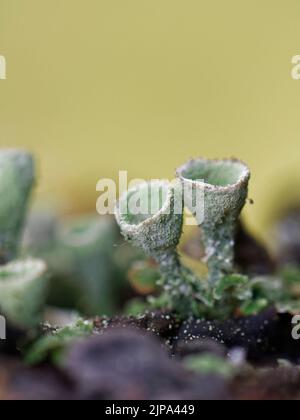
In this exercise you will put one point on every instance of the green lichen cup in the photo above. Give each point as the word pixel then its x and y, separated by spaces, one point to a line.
pixel 23 292
pixel 155 223
pixel 150 216
pixel 16 182
pixel 222 185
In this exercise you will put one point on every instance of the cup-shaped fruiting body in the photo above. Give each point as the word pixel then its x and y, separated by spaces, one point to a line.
pixel 23 290
pixel 151 217
pixel 16 182
pixel 148 218
pixel 215 191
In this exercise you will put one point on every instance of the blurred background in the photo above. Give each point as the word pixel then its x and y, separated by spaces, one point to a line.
pixel 98 86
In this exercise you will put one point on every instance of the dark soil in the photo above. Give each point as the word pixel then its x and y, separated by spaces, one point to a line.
pixel 265 337
pixel 141 358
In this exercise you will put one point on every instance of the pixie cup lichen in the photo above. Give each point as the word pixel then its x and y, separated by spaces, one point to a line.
pixel 16 182
pixel 224 188
pixel 23 287
pixel 154 226
pixel 147 216
pixel 151 217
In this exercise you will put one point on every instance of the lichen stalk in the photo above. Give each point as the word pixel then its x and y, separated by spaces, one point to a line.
pixel 16 182
pixel 224 188
pixel 219 248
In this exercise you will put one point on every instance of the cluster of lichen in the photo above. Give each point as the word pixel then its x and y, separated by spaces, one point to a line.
pixel 82 250
pixel 23 282
pixel 77 253
pixel 83 247
pixel 223 188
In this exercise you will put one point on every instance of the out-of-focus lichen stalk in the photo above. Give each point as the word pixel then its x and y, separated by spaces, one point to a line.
pixel 224 187
pixel 88 243
pixel 16 182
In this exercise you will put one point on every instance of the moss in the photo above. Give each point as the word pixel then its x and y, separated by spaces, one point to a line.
pixel 209 364
pixel 54 343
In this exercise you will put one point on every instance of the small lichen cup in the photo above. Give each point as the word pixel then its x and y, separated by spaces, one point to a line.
pixel 223 187
pixel 155 226
pixel 23 292
pixel 16 182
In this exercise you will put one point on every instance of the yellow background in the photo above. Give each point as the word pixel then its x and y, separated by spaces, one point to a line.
pixel 96 86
